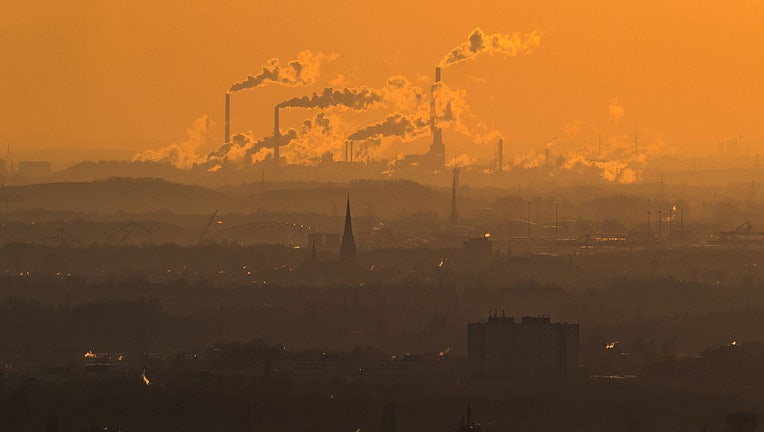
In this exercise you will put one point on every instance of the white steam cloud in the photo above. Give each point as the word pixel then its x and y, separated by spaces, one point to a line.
pixel 478 42
pixel 302 71
pixel 616 110
pixel 185 154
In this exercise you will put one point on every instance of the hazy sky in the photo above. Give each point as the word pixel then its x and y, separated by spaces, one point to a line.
pixel 126 75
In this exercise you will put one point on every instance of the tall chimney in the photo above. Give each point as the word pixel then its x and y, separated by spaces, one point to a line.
pixel 454 217
pixel 276 136
pixel 500 155
pixel 228 117
pixel 437 152
pixel 681 227
pixel 432 100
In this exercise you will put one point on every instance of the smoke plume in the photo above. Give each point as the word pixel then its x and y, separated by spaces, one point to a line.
pixel 412 119
pixel 183 155
pixel 397 125
pixel 478 42
pixel 454 112
pixel 616 161
pixel 306 145
pixel 303 71
pixel 616 111
pixel 463 160
pixel 354 98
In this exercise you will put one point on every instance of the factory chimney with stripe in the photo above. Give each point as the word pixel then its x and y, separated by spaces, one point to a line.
pixel 347 247
pixel 437 153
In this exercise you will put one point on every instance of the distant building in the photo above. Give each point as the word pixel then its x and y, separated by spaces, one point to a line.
pixel 323 241
pixel 532 352
pixel 33 169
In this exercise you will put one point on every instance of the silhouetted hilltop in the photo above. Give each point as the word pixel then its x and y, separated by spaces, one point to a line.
pixel 368 196
pixel 136 195
pixel 101 170
pixel 116 194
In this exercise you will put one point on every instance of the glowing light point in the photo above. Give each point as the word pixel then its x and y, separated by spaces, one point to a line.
pixel 146 379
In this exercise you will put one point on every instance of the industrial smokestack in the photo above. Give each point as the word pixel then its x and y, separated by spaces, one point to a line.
pixel 454 216
pixel 276 136
pixel 500 155
pixel 437 152
pixel 681 227
pixel 228 117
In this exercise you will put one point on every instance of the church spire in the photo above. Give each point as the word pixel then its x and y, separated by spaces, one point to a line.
pixel 347 248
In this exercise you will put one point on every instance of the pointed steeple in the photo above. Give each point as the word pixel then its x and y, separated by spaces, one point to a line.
pixel 347 247
pixel 454 216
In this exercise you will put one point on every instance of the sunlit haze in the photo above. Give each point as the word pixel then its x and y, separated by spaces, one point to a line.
pixel 105 80
pixel 381 216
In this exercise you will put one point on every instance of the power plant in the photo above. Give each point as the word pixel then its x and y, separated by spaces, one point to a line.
pixel 435 157
pixel 303 147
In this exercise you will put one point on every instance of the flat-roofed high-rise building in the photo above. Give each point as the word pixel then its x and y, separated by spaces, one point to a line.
pixel 534 351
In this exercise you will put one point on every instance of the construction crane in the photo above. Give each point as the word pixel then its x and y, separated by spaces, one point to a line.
pixel 207 227
pixel 742 234
pixel 126 231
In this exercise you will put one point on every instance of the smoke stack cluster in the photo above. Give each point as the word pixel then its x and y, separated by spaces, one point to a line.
pixel 348 151
pixel 227 118
pixel 276 136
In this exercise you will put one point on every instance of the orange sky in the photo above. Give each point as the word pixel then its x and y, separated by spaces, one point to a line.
pixel 109 78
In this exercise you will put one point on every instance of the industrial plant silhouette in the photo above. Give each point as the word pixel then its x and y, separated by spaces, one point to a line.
pixel 213 283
